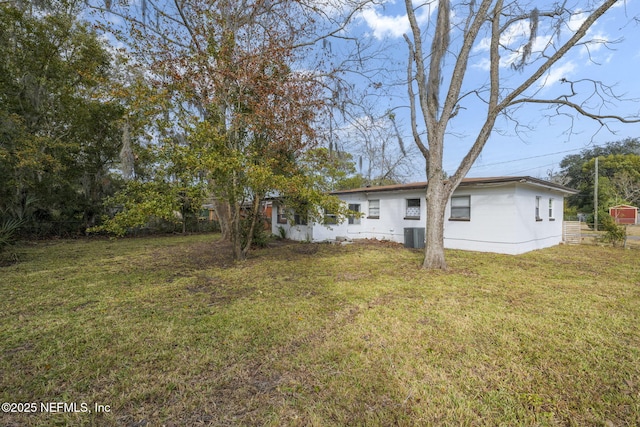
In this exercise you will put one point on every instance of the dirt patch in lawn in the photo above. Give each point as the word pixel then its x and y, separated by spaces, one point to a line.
pixel 196 256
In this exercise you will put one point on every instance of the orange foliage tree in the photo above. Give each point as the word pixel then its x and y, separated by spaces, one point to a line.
pixel 244 106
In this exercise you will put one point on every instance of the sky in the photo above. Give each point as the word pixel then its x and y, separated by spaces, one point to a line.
pixel 541 139
pixel 538 139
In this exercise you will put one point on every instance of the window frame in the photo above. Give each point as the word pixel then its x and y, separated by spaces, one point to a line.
pixel 355 219
pixel 537 210
pixel 467 208
pixel 407 202
pixel 299 219
pixel 373 216
pixel 552 209
pixel 281 215
pixel 329 218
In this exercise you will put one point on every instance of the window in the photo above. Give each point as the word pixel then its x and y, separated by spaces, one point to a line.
pixel 329 218
pixel 413 209
pixel 551 218
pixel 354 219
pixel 374 209
pixel 461 208
pixel 299 219
pixel 282 216
pixel 538 218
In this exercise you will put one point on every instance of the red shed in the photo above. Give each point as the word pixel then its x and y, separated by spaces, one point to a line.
pixel 624 214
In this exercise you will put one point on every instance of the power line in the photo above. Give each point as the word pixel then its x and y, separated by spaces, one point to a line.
pixel 525 158
pixel 529 169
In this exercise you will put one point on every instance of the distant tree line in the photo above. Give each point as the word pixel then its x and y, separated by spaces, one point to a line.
pixel 76 140
pixel 618 177
pixel 59 132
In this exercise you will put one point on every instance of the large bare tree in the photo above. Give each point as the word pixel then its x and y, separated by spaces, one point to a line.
pixel 440 74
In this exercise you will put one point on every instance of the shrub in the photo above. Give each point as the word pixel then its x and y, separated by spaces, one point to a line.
pixel 614 233
pixel 261 236
pixel 8 230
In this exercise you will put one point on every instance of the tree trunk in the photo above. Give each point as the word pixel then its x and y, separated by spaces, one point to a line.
pixel 236 234
pixel 437 197
pixel 255 210
pixel 223 212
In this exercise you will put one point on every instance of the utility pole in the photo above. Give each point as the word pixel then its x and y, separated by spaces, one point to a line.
pixel 595 200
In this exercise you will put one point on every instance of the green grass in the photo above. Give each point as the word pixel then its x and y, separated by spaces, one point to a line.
pixel 168 331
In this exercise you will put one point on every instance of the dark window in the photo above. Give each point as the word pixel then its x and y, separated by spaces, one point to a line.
pixel 329 218
pixel 299 219
pixel 282 216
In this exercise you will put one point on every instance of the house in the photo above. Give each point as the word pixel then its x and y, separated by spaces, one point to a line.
pixel 624 214
pixel 510 215
pixel 208 212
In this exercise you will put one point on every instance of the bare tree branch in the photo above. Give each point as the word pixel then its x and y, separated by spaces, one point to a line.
pixel 600 118
pixel 560 53
pixel 412 101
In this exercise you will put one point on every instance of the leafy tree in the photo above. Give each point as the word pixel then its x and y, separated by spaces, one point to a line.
pixel 571 173
pixel 8 229
pixel 335 170
pixel 171 193
pixel 58 138
pixel 613 233
pixel 139 204
pixel 247 116
pixel 618 171
pixel 627 186
pixel 439 91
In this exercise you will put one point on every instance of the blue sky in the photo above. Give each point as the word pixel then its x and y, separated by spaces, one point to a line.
pixel 540 143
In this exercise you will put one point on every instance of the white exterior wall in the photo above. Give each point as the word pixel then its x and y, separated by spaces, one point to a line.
pixel 389 226
pixel 502 219
pixel 493 223
pixel 300 233
pixel 546 232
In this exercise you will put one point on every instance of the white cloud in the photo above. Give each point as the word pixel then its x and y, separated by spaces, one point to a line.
pixel 113 45
pixel 383 26
pixel 557 73
pixel 483 64
pixel 515 37
pixel 514 33
pixel 393 26
pixel 594 43
pixel 576 20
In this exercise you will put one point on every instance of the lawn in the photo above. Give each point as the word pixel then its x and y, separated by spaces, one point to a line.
pixel 168 331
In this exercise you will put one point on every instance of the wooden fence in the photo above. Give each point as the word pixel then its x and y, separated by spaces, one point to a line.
pixel 571 232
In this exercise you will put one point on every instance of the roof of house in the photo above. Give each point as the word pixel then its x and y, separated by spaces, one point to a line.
pixel 623 207
pixel 465 182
